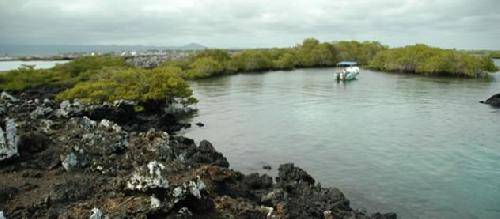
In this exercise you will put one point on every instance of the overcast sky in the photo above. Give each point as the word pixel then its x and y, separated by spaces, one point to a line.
pixel 251 23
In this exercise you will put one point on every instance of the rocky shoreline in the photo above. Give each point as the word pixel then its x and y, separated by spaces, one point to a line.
pixel 70 160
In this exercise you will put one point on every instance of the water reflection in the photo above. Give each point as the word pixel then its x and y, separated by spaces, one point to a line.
pixel 415 145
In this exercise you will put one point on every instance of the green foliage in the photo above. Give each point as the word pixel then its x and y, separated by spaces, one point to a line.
pixel 26 77
pixel 180 63
pixel 361 52
pixel 323 55
pixel 495 54
pixel 218 55
pixel 67 74
pixel 110 84
pixel 422 59
pixel 488 64
pixel 252 60
pixel 310 53
pixel 287 61
pixel 90 63
pixel 204 67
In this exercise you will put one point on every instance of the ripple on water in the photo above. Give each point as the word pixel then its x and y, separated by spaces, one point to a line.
pixel 423 147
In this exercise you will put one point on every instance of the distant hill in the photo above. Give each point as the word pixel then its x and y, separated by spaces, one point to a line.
pixel 192 46
pixel 51 50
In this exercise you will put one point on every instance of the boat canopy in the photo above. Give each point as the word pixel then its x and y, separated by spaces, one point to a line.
pixel 347 64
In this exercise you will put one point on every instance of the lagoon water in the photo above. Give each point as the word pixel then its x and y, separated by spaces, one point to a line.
pixel 10 65
pixel 421 147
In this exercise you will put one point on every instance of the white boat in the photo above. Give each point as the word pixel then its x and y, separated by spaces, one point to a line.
pixel 348 71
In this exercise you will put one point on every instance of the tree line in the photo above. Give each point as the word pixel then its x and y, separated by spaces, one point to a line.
pixel 310 53
pixel 97 79
pixel 426 60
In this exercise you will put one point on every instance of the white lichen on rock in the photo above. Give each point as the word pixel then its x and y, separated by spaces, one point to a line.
pixel 66 108
pixel 269 211
pixel 8 140
pixel 96 214
pixel 46 125
pixel 193 188
pixel 7 96
pixel 86 123
pixel 155 203
pixel 149 178
pixel 196 188
pixel 40 111
pixel 184 211
pixel 70 161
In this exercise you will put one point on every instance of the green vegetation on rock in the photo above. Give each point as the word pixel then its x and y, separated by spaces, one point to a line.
pixel 142 85
pixel 27 76
pixel 95 79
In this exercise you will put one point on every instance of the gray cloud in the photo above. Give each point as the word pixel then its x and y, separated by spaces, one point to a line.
pixel 256 23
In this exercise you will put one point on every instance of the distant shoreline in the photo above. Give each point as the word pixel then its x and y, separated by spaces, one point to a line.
pixel 52 58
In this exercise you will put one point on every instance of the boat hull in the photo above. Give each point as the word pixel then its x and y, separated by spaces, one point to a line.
pixel 346 76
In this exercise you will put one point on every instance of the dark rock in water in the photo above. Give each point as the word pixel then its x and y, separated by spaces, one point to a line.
pixel 493 101
pixel 299 197
pixel 266 167
pixel 206 154
pixel 384 216
pixel 206 146
pixel 296 196
pixel 199 124
pixel 291 175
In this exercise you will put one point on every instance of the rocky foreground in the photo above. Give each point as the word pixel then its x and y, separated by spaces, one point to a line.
pixel 69 160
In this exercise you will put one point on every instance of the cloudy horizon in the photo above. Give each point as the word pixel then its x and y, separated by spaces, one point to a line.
pixel 458 24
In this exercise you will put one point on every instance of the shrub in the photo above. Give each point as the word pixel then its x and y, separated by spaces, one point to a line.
pixel 422 59
pixel 361 52
pixel 204 67
pixel 90 63
pixel 160 85
pixel 28 77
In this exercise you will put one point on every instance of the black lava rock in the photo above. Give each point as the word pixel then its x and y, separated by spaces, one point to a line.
pixel 493 101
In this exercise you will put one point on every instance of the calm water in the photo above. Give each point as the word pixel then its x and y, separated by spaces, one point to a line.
pixel 422 147
pixel 9 65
